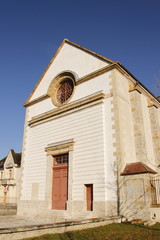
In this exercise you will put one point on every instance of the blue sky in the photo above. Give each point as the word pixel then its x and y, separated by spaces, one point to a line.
pixel 32 30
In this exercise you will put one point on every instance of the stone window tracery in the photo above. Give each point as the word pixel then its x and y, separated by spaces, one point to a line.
pixel 64 91
pixel 62 88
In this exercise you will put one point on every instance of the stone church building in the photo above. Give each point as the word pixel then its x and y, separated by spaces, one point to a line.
pixel 91 146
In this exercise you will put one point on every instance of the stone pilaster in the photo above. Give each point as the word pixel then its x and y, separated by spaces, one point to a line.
pixel 25 135
pixel 138 126
pixel 155 130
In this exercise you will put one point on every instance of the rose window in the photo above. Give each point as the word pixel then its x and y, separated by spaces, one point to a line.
pixel 61 88
pixel 64 91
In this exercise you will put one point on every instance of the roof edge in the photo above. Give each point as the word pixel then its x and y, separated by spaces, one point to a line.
pixel 89 51
pixel 137 168
pixel 138 82
pixel 118 64
pixel 56 53
pixel 46 69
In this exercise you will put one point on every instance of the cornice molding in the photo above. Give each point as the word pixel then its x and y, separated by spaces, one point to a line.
pixel 135 89
pixel 138 86
pixel 150 99
pixel 88 101
pixel 60 147
pixel 78 81
pixel 151 103
pixel 36 100
pixel 95 73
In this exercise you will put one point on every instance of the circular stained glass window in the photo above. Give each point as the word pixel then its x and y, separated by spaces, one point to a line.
pixel 64 91
pixel 61 88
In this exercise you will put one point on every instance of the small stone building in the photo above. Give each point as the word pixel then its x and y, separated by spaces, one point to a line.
pixel 10 178
pixel 91 142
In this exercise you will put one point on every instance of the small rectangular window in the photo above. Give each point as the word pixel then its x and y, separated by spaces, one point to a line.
pixel 61 159
pixel 10 173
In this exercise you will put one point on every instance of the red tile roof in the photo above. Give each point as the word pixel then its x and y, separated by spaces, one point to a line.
pixel 137 168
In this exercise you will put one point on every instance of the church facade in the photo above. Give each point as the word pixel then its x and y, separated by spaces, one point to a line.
pixel 91 145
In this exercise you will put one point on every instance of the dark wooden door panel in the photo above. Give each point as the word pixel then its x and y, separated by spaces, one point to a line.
pixel 89 197
pixel 60 188
pixel 56 191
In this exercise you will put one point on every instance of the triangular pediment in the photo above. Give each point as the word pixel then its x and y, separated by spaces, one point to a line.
pixel 69 57
pixel 9 163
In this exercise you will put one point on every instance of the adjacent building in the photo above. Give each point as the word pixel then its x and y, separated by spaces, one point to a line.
pixel 10 178
pixel 91 143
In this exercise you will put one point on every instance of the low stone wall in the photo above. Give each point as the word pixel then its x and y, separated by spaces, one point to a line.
pixel 76 210
pixel 33 231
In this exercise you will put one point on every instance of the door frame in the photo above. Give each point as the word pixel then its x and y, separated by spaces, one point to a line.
pixel 53 149
pixel 60 166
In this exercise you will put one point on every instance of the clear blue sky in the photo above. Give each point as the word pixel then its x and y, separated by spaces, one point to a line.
pixel 32 30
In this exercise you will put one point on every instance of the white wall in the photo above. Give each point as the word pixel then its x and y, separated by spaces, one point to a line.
pixel 99 83
pixel 86 127
pixel 69 58
pixel 92 132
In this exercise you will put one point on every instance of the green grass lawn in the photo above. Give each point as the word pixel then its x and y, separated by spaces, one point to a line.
pixel 121 231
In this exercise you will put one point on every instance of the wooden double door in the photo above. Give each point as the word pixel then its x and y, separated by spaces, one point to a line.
pixel 60 182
